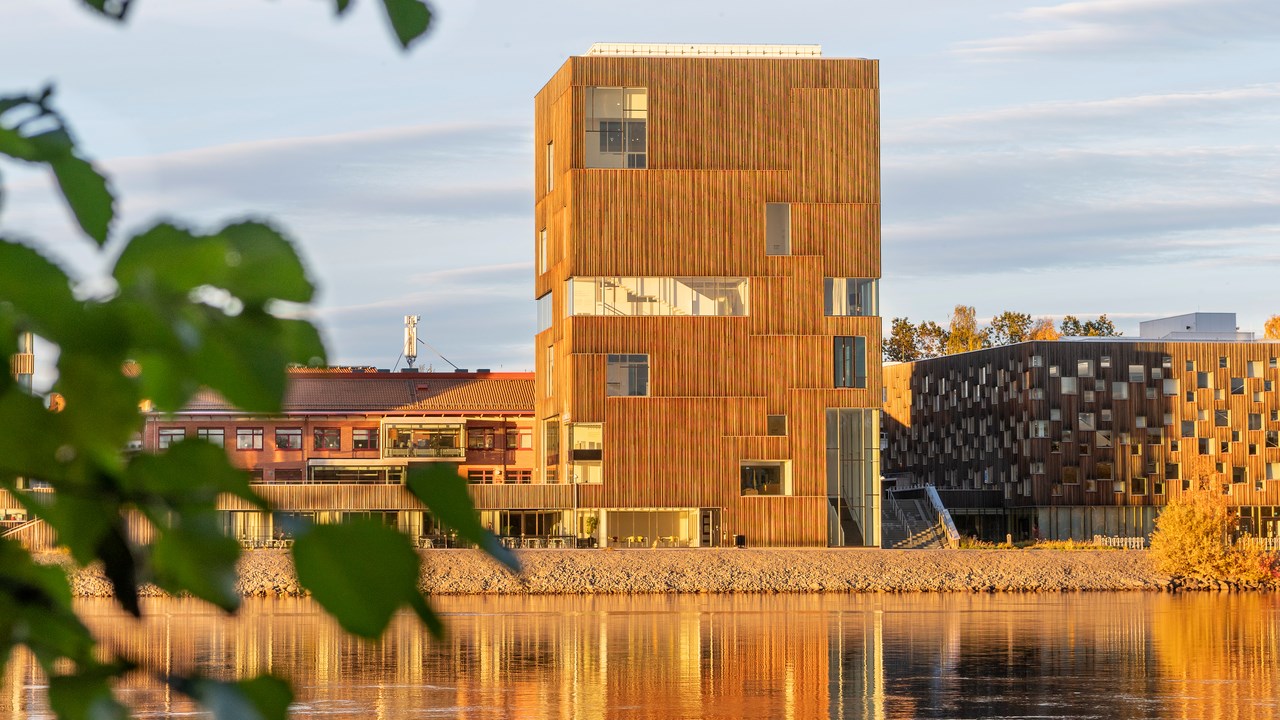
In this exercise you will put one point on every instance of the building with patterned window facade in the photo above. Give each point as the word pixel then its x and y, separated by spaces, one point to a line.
pixel 1092 436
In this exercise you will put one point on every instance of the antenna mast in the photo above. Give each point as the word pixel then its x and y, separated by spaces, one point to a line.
pixel 411 338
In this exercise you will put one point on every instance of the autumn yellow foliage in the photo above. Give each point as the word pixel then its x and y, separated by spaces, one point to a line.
pixel 1194 538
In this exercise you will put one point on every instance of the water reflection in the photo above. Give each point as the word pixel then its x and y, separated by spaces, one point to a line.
pixel 1128 655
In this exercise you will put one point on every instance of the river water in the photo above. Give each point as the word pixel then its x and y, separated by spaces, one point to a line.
pixel 1099 655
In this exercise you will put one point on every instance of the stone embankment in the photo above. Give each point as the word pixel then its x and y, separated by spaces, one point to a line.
pixel 457 572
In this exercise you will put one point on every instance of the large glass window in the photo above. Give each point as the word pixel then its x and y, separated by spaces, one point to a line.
pixel 616 119
pixel 586 449
pixel 439 440
pixel 626 375
pixel 551 448
pixel 851 296
pixel 765 477
pixel 701 296
pixel 850 362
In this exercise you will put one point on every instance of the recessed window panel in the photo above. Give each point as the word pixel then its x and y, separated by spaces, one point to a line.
pixel 616 127
pixel 626 375
pixel 658 296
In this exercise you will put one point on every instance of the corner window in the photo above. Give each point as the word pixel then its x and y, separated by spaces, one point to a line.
pixel 328 439
pixel 288 438
pixel 850 362
pixel 626 375
pixel 851 296
pixel 616 132
pixel 169 436
pixel 765 477
pixel 544 312
pixel 249 438
pixel 777 229
pixel 645 296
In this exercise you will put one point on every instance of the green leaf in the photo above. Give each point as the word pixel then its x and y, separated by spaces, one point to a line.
pixel 114 9
pixel 13 144
pixel 259 698
pixel 243 359
pixel 119 566
pixel 302 343
pixel 84 696
pixel 409 19
pixel 170 260
pixel 341 5
pixel 360 572
pixel 37 288
pixel 190 474
pixel 87 194
pixel 441 489
pixel 199 560
pixel 263 265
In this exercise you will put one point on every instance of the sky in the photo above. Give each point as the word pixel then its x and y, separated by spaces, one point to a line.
pixel 1098 156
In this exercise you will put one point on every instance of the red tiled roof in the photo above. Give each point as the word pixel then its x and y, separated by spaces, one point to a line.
pixel 475 394
pixel 408 392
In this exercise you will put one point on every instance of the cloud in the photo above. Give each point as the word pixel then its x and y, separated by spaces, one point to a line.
pixel 1130 27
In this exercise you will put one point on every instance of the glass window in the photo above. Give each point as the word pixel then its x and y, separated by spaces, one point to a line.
pixel 1204 380
pixel 850 362
pixel 765 477
pixel 776 425
pixel 542 250
pixel 327 438
pixel 1222 361
pixel 544 312
pixel 1137 373
pixel 249 438
pixel 1221 418
pixel 480 476
pixel 364 439
pixel 484 438
pixel 1191 365
pixel 551 165
pixel 438 439
pixel 777 229
pixel 626 375
pixel 1188 428
pixel 169 436
pixel 1119 391
pixel 851 296
pixel 1255 421
pixel 1105 361
pixel 632 296
pixel 215 436
pixel 1068 385
pixel 1084 368
pixel 288 438
pixel 1237 386
pixel 616 133
pixel 551 448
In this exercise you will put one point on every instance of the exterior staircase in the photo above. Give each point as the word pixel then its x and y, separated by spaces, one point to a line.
pixel 913 520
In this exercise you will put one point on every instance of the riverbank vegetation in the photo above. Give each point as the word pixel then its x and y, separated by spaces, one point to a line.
pixel 1196 537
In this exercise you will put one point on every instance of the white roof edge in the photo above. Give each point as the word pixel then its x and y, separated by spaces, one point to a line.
pixel 705 50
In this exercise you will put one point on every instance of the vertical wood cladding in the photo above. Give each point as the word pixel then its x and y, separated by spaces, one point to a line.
pixel 724 137
pixel 969 421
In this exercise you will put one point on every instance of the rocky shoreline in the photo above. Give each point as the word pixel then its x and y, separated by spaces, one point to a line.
pixel 724 570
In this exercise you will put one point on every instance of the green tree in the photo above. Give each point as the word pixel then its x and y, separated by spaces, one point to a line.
pixel 902 345
pixel 931 339
pixel 188 310
pixel 963 333
pixel 1072 326
pixel 1009 327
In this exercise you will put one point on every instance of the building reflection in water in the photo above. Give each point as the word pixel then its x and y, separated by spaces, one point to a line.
pixel 1132 655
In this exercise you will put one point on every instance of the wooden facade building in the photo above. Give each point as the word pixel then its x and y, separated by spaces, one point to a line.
pixel 707 246
pixel 1072 438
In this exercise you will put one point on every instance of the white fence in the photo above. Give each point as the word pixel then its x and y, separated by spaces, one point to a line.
pixel 1116 541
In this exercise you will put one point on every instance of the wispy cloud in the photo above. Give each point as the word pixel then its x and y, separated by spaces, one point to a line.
pixel 1130 27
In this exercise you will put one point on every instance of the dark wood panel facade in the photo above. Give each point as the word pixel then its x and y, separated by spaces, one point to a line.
pixel 724 137
pixel 1094 424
